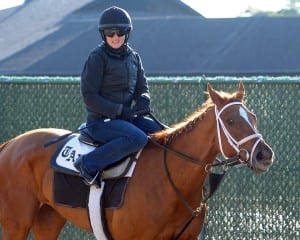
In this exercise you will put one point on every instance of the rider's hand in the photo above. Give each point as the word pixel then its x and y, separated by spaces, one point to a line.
pixel 142 103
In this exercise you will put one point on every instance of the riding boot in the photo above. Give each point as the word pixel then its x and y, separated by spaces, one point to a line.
pixel 87 178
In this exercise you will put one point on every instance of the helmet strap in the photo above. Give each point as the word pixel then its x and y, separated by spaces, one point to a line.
pixel 126 37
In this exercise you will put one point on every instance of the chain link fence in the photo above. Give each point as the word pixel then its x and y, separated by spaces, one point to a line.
pixel 246 206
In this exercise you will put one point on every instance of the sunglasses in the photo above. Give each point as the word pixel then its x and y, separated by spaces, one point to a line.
pixel 110 32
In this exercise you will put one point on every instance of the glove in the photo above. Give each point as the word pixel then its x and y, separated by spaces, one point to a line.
pixel 127 114
pixel 142 103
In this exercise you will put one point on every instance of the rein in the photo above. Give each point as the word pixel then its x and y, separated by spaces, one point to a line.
pixel 226 163
pixel 194 212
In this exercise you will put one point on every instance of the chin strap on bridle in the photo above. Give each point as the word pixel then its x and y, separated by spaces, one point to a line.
pixel 234 143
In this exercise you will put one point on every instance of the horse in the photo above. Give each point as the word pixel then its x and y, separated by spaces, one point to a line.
pixel 164 198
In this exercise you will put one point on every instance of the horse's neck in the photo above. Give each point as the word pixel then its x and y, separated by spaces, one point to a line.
pixel 199 144
pixel 153 182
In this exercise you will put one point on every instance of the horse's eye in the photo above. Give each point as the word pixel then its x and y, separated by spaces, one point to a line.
pixel 229 122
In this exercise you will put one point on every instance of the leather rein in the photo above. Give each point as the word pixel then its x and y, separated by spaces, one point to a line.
pixel 194 212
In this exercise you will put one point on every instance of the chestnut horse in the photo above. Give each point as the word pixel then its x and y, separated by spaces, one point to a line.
pixel 165 191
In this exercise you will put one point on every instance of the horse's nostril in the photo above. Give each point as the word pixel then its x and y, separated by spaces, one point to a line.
pixel 260 156
pixel 264 154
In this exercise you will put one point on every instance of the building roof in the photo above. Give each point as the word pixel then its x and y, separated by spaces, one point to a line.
pixel 172 39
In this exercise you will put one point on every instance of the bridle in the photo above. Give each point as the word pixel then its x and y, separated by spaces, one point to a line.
pixel 231 140
pixel 227 162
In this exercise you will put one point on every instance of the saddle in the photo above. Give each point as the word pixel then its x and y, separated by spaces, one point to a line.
pixel 84 137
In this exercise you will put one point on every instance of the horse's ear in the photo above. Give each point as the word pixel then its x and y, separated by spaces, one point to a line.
pixel 241 91
pixel 214 95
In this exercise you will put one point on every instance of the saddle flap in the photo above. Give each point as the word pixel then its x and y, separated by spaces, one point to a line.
pixel 84 136
pixel 124 168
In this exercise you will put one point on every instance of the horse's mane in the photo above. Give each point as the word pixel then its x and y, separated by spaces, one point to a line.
pixel 2 146
pixel 168 135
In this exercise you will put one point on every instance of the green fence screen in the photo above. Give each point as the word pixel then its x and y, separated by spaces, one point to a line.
pixel 246 206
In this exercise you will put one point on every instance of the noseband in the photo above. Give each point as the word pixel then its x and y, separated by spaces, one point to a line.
pixel 231 140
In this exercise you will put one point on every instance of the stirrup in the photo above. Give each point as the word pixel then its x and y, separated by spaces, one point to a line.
pixel 93 181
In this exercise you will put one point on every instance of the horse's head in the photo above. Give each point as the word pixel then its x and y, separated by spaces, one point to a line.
pixel 237 133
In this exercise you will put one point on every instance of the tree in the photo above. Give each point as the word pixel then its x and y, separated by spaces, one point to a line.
pixel 292 9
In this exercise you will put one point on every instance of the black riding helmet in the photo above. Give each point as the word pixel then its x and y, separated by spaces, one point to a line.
pixel 115 17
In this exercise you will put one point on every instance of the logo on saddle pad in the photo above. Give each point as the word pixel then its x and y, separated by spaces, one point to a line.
pixel 69 152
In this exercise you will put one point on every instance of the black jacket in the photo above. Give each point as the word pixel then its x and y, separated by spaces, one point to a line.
pixel 111 79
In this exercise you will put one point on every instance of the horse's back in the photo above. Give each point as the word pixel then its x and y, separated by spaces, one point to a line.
pixel 22 147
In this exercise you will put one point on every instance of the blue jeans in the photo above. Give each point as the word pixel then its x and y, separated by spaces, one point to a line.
pixel 121 139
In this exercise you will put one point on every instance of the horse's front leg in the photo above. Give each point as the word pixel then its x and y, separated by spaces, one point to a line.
pixel 12 230
pixel 17 212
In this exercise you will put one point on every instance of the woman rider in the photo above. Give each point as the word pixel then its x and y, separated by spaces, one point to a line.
pixel 114 88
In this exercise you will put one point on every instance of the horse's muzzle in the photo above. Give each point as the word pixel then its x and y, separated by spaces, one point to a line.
pixel 262 159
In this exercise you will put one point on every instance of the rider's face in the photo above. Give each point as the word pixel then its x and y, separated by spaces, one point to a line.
pixel 115 41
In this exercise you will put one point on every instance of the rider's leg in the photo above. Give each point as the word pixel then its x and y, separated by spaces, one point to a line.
pixel 122 138
pixel 147 124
